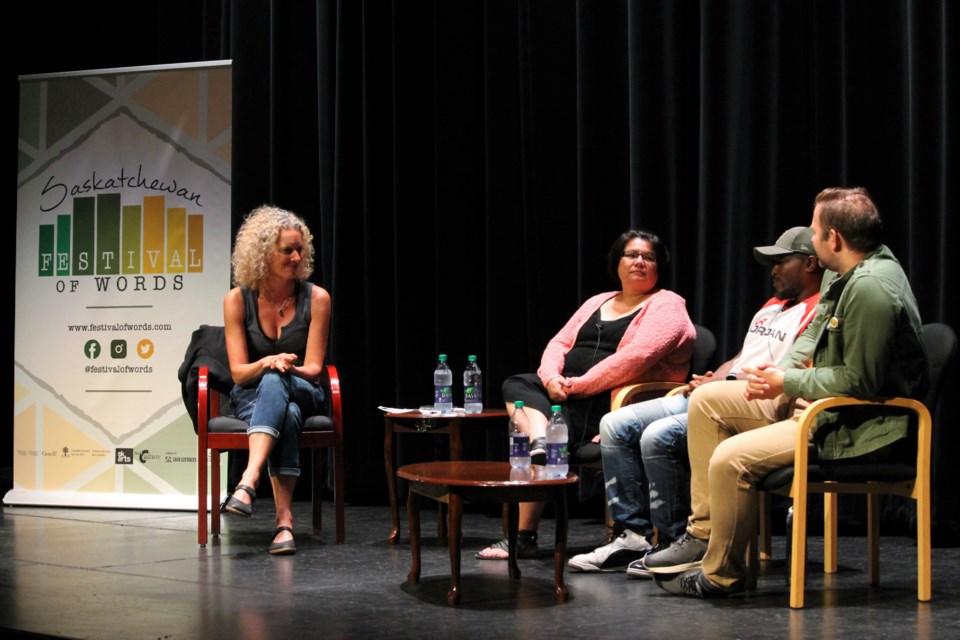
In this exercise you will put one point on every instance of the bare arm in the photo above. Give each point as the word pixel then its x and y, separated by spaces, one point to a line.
pixel 316 337
pixel 242 370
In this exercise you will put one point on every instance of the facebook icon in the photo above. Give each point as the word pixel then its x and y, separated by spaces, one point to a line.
pixel 92 349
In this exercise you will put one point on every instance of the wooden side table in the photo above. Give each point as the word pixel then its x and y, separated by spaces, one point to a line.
pixel 451 425
pixel 454 483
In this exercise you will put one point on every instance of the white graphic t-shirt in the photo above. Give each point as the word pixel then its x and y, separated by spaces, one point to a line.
pixel 773 331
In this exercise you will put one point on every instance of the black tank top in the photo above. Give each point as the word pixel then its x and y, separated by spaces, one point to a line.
pixel 293 337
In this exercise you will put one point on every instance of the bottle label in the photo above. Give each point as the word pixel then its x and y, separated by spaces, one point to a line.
pixel 473 394
pixel 519 446
pixel 443 394
pixel 557 453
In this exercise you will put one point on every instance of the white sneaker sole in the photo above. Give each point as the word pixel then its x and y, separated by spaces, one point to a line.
pixel 586 567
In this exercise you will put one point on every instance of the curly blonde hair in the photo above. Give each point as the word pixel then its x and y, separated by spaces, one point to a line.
pixel 257 238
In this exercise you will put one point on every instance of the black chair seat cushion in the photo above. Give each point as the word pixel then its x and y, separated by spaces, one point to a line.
pixel 841 472
pixel 229 424
pixel 586 453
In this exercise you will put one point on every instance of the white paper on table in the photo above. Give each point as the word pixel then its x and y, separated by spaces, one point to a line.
pixel 426 411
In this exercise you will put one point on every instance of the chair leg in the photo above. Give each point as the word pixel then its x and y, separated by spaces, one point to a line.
pixel 765 510
pixel 318 456
pixel 830 517
pixel 753 556
pixel 338 492
pixel 873 539
pixel 215 492
pixel 202 495
pixel 316 488
pixel 924 589
pixel 798 558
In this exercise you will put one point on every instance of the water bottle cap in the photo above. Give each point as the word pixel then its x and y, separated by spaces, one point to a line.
pixel 472 358
pixel 442 357
pixel 555 408
pixel 518 404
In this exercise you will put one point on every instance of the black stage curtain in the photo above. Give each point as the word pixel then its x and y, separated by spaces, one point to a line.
pixel 465 165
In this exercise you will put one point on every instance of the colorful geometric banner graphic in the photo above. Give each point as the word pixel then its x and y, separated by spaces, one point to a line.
pixel 123 249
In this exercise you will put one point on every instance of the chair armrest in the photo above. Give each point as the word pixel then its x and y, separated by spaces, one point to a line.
pixel 208 399
pixel 330 379
pixel 640 391
pixel 808 419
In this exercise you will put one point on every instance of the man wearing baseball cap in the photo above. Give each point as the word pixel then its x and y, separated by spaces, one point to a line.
pixel 865 342
pixel 644 445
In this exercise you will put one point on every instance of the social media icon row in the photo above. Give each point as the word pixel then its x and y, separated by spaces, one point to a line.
pixel 118 349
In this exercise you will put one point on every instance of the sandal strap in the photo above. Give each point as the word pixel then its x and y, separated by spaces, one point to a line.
pixel 248 490
pixel 502 545
pixel 524 538
pixel 525 535
pixel 279 530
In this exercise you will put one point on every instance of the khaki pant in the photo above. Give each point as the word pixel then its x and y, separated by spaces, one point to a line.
pixel 733 442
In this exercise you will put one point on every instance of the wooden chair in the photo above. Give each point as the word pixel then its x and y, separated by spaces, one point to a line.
pixel 910 479
pixel 217 433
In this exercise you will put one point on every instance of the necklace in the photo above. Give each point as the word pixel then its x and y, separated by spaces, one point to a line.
pixel 281 307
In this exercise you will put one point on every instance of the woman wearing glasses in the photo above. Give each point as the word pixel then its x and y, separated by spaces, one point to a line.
pixel 640 333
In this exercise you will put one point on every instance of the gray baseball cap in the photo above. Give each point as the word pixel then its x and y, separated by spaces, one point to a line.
pixel 795 240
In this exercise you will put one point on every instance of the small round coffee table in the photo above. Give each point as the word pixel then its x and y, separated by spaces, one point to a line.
pixel 456 482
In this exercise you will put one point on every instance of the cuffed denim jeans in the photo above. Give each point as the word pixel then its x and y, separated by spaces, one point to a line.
pixel 276 406
pixel 645 466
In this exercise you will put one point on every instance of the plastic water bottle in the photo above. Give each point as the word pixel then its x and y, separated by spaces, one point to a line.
pixel 443 386
pixel 519 438
pixel 472 387
pixel 557 453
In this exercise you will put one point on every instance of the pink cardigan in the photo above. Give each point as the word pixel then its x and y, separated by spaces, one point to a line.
pixel 654 348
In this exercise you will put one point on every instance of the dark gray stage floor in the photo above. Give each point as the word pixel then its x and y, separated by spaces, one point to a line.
pixel 87 573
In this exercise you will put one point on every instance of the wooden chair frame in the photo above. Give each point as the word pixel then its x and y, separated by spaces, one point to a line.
pixel 213 443
pixel 917 488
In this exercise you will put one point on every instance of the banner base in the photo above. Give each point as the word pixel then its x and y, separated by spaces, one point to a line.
pixel 20 497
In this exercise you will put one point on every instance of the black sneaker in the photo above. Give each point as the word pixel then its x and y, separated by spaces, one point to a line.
pixel 628 546
pixel 694 584
pixel 636 569
pixel 686 553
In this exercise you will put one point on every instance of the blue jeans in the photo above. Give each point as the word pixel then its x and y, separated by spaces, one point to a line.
pixel 645 466
pixel 274 407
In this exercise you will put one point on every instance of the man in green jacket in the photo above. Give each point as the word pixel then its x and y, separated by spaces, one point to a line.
pixel 865 342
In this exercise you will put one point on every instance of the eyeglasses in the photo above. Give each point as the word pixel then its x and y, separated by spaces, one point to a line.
pixel 634 255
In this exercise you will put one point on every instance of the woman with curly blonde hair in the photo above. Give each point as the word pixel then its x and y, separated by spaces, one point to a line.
pixel 276 327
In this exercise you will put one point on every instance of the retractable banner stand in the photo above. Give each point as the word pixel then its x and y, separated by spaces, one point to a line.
pixel 123 249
